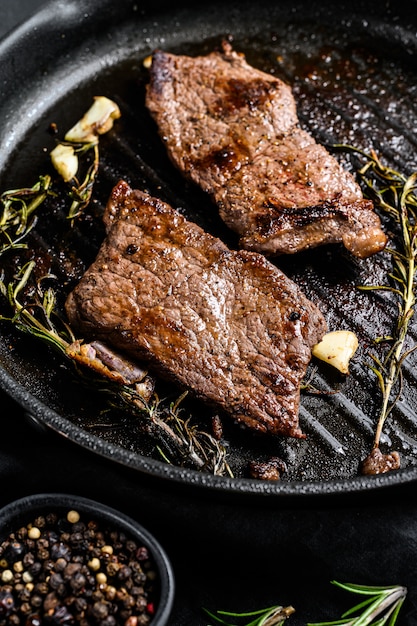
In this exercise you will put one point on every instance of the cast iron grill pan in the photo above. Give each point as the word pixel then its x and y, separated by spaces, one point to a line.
pixel 352 72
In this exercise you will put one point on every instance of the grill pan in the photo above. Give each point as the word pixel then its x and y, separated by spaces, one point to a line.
pixel 352 70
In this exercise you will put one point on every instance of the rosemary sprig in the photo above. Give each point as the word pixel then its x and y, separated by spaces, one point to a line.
pixel 394 194
pixel 24 317
pixel 181 441
pixel 17 213
pixel 271 616
pixel 383 603
pixel 177 438
pixel 380 602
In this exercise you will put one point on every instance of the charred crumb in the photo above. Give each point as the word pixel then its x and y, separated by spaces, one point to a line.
pixel 53 129
pixel 217 427
pixel 268 470
pixel 378 463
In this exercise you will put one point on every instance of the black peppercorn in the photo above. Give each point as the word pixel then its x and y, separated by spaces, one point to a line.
pixel 22 533
pixel 42 588
pixel 124 573
pixel 142 554
pixel 129 602
pixel 42 554
pixel 55 580
pixel 77 582
pixel 24 595
pixel 36 600
pixel 131 546
pixel 6 602
pixel 60 550
pixel 34 569
pixel 141 604
pixel 52 537
pixel 100 610
pixel 14 552
pixel 25 608
pixel 39 522
pixel 28 559
pixel 60 616
pixel 60 564
pixel 80 605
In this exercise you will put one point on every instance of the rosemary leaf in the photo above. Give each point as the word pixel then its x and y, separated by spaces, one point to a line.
pixel 271 616
pixel 381 606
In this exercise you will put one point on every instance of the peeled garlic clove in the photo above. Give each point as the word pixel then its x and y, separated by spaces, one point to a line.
pixel 97 120
pixel 147 62
pixel 337 348
pixel 65 161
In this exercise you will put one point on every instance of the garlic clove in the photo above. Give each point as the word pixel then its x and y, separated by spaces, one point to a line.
pixel 65 161
pixel 337 348
pixel 96 121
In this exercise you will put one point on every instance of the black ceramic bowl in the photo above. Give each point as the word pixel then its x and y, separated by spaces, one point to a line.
pixel 158 580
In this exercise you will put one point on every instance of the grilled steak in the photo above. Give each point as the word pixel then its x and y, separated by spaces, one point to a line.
pixel 227 325
pixel 234 131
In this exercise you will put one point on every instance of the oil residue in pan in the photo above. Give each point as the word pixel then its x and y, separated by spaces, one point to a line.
pixel 347 92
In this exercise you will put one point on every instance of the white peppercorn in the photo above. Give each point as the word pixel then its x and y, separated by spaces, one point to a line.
pixel 34 532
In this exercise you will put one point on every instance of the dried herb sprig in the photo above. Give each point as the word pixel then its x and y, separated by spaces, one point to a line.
pixel 128 386
pixel 17 217
pixel 81 192
pixel 395 196
pixel 380 608
pixel 182 442
pixel 24 318
pixel 271 616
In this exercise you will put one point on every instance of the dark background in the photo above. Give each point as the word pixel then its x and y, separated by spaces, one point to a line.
pixel 228 552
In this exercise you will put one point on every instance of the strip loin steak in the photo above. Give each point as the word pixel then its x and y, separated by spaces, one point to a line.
pixel 234 131
pixel 227 325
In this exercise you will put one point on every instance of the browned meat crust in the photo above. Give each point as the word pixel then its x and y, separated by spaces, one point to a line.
pixel 227 325
pixel 234 131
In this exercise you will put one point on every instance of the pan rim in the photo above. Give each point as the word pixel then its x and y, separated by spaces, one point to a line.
pixel 50 418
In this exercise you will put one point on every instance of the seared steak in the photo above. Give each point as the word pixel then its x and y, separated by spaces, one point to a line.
pixel 227 325
pixel 234 131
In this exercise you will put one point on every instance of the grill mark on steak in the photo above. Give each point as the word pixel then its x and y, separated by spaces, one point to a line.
pixel 234 131
pixel 238 94
pixel 227 325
